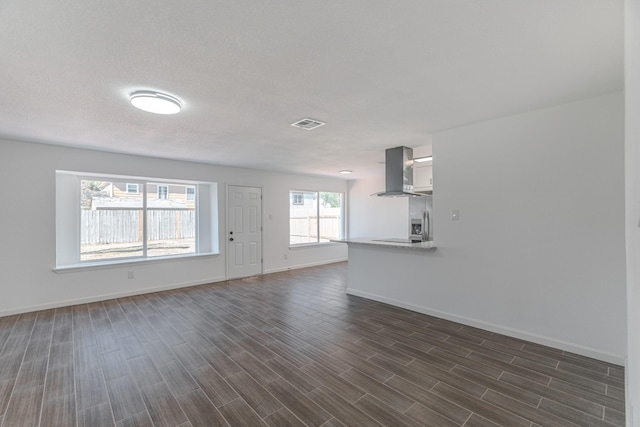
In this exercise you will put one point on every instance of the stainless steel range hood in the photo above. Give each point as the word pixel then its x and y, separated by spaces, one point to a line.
pixel 398 173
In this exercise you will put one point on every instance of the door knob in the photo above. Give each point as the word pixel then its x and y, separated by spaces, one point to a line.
pixel 231 232
pixel 231 239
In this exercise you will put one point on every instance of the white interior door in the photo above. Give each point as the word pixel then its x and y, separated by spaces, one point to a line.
pixel 244 231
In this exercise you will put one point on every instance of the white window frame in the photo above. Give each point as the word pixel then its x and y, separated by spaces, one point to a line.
pixel 68 233
pixel 187 194
pixel 137 187
pixel 317 197
pixel 295 196
pixel 166 187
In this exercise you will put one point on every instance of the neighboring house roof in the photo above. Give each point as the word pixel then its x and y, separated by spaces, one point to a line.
pixel 131 203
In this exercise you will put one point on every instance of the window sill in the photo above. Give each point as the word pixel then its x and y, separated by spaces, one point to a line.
pixel 312 245
pixel 87 266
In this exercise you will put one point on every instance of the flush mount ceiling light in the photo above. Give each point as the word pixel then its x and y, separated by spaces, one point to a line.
pixel 423 159
pixel 346 172
pixel 307 124
pixel 155 102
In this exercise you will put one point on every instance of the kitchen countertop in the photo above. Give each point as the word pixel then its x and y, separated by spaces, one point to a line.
pixel 386 244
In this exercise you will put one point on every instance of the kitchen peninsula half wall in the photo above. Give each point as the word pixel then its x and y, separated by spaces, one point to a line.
pixel 426 279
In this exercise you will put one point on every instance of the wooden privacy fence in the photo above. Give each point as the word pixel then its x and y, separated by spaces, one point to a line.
pixel 304 223
pixel 125 225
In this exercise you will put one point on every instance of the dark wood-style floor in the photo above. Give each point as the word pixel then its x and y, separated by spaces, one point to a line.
pixel 286 349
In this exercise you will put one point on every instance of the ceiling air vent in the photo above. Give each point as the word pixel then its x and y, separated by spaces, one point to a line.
pixel 307 124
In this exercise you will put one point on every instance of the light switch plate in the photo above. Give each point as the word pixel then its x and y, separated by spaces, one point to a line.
pixel 455 215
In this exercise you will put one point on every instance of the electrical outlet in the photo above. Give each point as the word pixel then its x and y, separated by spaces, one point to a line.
pixel 286 256
pixel 455 215
pixel 130 275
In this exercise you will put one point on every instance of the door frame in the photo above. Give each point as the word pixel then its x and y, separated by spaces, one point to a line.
pixel 226 233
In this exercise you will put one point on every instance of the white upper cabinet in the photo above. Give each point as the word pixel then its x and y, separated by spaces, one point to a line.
pixel 422 177
pixel 422 171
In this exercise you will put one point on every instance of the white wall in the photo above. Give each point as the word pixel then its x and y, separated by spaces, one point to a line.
pixel 632 167
pixel 372 216
pixel 27 253
pixel 539 247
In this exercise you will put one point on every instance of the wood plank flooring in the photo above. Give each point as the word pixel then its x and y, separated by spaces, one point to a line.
pixel 286 349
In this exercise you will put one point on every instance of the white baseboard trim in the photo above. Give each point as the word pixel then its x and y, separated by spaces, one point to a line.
pixel 105 297
pixel 297 266
pixel 515 333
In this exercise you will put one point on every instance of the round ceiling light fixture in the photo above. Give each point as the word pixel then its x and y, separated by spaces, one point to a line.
pixel 155 102
pixel 346 172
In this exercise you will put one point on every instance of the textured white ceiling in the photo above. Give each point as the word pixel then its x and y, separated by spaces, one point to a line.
pixel 380 73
